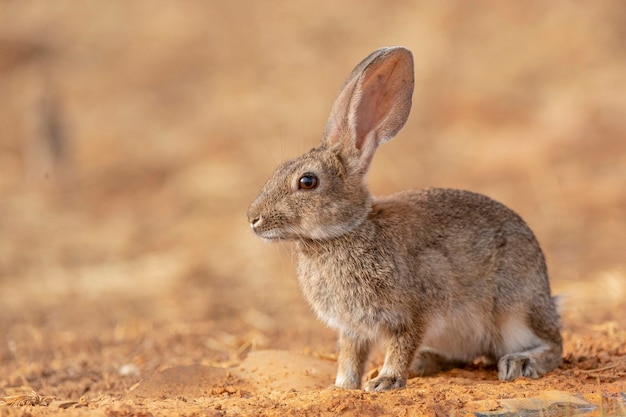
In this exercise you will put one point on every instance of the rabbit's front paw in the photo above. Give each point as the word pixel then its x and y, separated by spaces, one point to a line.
pixel 516 365
pixel 348 381
pixel 385 383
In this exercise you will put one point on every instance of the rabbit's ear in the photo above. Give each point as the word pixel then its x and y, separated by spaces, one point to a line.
pixel 372 106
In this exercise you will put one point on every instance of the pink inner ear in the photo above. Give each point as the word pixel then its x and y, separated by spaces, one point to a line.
pixel 374 105
pixel 366 112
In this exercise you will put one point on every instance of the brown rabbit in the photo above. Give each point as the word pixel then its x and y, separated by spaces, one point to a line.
pixel 443 276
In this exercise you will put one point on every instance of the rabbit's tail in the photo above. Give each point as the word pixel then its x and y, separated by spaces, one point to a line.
pixel 559 302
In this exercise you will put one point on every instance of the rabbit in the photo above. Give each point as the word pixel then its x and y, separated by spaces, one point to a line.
pixel 442 276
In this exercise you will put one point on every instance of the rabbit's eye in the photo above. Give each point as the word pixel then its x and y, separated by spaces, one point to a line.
pixel 307 182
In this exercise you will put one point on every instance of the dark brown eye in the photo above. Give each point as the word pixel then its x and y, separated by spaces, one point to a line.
pixel 307 182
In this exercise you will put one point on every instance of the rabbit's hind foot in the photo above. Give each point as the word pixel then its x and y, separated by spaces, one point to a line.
pixel 531 363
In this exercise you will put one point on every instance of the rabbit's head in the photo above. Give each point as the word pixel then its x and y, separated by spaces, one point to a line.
pixel 322 194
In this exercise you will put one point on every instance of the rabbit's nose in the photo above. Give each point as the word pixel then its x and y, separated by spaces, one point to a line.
pixel 255 222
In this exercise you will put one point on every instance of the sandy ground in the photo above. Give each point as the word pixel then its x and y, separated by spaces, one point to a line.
pixel 134 136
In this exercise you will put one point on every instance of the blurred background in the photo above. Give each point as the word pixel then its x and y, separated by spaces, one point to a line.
pixel 133 136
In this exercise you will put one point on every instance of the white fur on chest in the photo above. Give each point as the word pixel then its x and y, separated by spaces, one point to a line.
pixel 347 304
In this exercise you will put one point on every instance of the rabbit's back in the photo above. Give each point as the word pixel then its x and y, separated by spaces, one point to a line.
pixel 473 239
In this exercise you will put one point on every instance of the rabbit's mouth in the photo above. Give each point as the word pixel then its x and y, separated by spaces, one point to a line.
pixel 269 235
pixel 273 228
pixel 269 238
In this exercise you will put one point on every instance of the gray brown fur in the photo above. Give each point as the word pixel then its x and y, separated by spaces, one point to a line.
pixel 442 276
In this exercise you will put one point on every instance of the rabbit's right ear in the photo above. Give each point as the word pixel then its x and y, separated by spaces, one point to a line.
pixel 372 106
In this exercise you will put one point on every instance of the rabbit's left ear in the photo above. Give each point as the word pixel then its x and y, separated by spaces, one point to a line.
pixel 372 106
